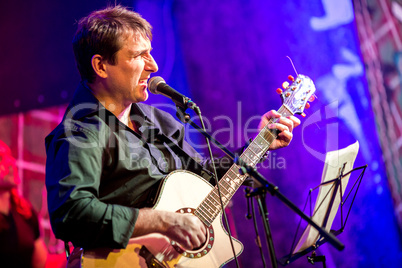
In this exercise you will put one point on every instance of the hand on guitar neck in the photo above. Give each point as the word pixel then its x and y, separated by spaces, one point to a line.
pixel 185 229
pixel 285 126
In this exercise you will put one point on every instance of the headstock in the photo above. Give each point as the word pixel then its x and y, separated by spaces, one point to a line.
pixel 296 95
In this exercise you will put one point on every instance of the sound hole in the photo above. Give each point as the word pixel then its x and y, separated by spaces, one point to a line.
pixel 201 251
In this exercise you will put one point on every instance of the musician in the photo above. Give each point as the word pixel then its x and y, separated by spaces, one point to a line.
pixel 20 241
pixel 108 156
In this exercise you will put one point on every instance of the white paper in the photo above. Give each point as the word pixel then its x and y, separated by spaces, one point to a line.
pixel 334 162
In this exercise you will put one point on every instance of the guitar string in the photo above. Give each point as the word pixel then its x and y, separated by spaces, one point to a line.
pixel 294 68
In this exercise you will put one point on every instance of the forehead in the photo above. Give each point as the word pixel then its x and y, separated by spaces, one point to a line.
pixel 135 41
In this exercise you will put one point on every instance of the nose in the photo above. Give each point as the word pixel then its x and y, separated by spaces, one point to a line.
pixel 151 65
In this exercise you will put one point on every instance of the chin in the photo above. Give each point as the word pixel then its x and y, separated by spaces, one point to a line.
pixel 145 95
pixel 143 98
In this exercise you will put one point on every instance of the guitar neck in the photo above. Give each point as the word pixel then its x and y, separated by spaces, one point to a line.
pixel 210 207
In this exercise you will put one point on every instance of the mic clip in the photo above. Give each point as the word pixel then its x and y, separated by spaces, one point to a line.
pixel 185 103
pixel 181 114
pixel 182 107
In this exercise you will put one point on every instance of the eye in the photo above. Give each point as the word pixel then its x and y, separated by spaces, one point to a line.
pixel 140 55
pixel 146 55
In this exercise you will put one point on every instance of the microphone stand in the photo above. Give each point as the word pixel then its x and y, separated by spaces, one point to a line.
pixel 260 195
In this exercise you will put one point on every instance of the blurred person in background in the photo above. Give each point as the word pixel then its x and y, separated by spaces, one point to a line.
pixel 20 242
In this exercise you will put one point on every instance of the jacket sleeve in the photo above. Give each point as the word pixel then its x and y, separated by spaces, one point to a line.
pixel 73 174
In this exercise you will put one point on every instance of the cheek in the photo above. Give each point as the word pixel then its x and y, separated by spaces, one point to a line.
pixel 139 67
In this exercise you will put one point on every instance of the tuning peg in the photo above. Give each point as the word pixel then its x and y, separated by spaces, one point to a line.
pixel 312 98
pixel 303 114
pixel 279 91
pixel 307 105
pixel 291 78
pixel 285 85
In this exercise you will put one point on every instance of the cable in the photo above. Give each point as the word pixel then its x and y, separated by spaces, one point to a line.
pixel 198 112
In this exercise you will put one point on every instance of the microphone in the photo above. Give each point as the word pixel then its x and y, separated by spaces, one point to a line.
pixel 157 85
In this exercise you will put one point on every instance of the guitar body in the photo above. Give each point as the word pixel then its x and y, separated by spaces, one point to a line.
pixel 181 192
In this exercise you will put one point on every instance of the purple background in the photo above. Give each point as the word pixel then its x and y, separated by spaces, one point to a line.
pixel 229 57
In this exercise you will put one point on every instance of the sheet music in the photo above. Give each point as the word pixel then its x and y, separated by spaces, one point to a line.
pixel 335 161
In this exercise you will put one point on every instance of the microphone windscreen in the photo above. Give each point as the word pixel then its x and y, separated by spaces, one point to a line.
pixel 153 84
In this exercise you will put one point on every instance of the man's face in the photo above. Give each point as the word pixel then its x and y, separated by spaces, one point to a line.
pixel 127 78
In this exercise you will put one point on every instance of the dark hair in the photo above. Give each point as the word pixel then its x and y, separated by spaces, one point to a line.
pixel 101 32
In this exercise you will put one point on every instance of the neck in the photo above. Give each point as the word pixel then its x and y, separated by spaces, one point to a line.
pixel 124 116
pixel 109 101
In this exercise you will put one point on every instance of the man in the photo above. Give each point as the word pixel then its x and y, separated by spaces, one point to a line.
pixel 108 156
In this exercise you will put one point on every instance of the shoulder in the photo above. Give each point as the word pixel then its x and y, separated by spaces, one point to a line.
pixel 87 132
pixel 70 127
pixel 84 115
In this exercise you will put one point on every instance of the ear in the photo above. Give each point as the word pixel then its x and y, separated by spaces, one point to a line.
pixel 99 66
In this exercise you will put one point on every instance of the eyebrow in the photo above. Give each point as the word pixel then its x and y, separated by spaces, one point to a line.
pixel 139 52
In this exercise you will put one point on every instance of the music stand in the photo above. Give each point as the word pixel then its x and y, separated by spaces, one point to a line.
pixel 337 170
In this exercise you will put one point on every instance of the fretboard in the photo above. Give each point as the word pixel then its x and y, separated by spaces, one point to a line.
pixel 210 207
